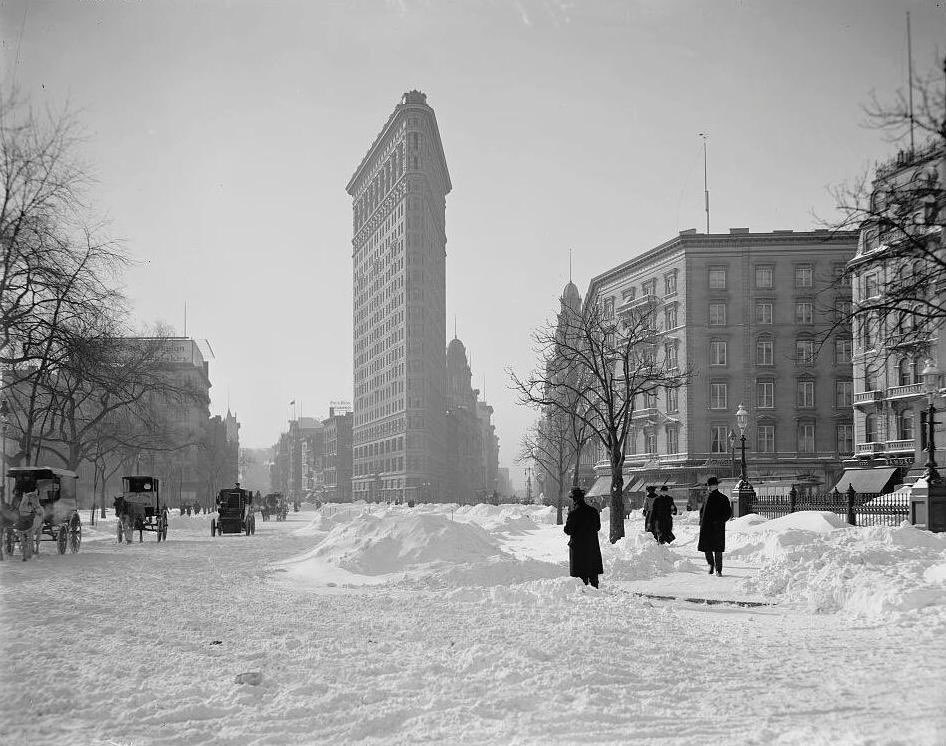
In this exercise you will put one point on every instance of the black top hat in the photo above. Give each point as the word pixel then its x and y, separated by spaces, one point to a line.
pixel 577 493
pixel 712 482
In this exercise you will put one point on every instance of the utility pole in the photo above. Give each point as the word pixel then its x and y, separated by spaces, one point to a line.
pixel 910 78
pixel 705 182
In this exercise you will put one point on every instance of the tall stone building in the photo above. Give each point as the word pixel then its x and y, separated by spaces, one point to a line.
pixel 399 242
pixel 750 316
pixel 337 453
pixel 891 349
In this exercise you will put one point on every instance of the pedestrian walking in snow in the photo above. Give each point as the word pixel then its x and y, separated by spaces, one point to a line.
pixel 715 512
pixel 584 552
pixel 648 509
pixel 663 510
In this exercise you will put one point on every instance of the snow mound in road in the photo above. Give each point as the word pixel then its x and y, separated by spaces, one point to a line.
pixel 818 521
pixel 637 557
pixel 500 570
pixel 371 545
pixel 864 572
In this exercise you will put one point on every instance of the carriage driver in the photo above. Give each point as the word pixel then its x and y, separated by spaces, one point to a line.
pixel 30 506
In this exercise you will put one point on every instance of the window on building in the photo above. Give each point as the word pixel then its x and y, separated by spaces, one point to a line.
pixel 806 437
pixel 763 312
pixel 649 287
pixel 805 394
pixel 670 354
pixel 843 394
pixel 763 276
pixel 804 351
pixel 719 395
pixel 670 317
pixel 673 400
pixel 718 352
pixel 628 293
pixel 905 423
pixel 907 371
pixel 670 283
pixel 804 312
pixel 843 351
pixel 803 276
pixel 717 278
pixel 869 327
pixel 765 351
pixel 719 437
pixel 609 308
pixel 765 394
pixel 717 314
pixel 871 285
pixel 673 440
pixel 650 441
pixel 870 428
pixel 765 439
pixel 845 435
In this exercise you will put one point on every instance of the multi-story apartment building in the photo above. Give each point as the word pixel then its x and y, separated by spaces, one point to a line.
pixel 747 315
pixel 337 456
pixel 465 452
pixel 891 345
pixel 399 242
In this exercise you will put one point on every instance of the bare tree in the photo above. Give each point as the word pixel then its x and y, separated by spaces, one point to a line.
pixel 555 443
pixel 900 211
pixel 601 367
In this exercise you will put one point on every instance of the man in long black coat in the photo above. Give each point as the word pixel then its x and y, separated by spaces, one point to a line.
pixel 648 509
pixel 584 552
pixel 662 511
pixel 713 516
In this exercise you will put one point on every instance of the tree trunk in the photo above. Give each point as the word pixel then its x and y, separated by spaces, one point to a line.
pixel 617 499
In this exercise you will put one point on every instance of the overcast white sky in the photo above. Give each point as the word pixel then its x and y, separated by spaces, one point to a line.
pixel 222 135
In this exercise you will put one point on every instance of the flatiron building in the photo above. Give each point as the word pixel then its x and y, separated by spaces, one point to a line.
pixel 399 243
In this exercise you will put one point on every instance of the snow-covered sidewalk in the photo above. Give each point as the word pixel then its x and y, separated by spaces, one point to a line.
pixel 432 626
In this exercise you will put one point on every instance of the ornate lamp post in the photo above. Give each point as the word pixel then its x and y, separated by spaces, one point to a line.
pixel 745 493
pixel 742 422
pixel 931 385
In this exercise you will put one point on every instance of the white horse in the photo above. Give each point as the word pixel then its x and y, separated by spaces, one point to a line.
pixel 29 525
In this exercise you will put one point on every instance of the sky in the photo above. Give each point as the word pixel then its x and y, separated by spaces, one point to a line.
pixel 221 136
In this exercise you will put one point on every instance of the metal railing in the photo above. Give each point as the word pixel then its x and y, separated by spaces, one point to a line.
pixel 858 508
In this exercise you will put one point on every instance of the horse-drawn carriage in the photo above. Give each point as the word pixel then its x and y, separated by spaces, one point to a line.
pixel 234 513
pixel 139 508
pixel 274 505
pixel 53 514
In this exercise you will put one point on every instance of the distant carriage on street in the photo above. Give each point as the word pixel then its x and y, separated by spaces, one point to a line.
pixel 140 508
pixel 234 513
pixel 275 506
pixel 56 493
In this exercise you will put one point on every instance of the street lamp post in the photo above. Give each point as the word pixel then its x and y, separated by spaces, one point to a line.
pixel 745 493
pixel 931 384
pixel 4 421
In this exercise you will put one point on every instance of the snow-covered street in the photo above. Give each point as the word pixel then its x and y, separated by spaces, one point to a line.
pixel 461 625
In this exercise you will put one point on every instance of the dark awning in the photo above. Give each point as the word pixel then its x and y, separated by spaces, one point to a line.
pixel 868 481
pixel 602 486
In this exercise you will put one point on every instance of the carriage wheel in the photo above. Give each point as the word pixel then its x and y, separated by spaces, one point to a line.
pixel 61 540
pixel 213 527
pixel 75 535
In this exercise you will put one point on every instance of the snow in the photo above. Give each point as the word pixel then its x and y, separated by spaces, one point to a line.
pixel 459 624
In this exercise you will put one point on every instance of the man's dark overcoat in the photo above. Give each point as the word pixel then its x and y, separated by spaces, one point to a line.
pixel 713 516
pixel 584 552
pixel 662 512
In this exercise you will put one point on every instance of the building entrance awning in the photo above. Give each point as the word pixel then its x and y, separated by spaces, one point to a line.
pixel 868 481
pixel 602 486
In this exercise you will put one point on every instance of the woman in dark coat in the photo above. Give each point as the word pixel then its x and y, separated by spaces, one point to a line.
pixel 662 511
pixel 584 553
pixel 713 516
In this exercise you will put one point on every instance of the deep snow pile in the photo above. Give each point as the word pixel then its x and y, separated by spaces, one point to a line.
pixel 819 561
pixel 638 557
pixel 420 547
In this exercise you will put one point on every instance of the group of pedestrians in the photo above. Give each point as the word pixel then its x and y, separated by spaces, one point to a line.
pixel 584 523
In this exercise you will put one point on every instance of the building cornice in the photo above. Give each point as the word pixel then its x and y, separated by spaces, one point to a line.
pixel 406 105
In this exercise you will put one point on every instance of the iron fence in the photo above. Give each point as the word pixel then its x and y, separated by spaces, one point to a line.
pixel 858 508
